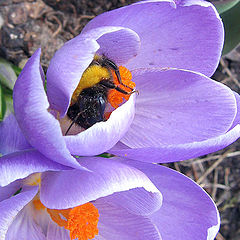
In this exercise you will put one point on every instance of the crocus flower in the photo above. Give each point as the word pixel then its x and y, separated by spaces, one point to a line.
pixel 116 199
pixel 41 199
pixel 177 114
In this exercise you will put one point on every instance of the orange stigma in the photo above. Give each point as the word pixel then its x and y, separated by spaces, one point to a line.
pixel 81 221
pixel 116 98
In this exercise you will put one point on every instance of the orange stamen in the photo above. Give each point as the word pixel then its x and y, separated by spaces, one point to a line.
pixel 59 216
pixel 81 221
pixel 116 98
pixel 38 205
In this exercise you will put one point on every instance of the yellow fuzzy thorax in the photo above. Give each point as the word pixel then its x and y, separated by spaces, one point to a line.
pixel 92 75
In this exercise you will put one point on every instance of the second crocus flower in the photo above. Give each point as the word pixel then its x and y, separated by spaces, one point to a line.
pixel 118 199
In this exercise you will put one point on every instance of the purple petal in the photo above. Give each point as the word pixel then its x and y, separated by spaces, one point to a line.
pixel 9 208
pixel 90 142
pixel 65 189
pixel 40 128
pixel 173 153
pixel 187 35
pixel 24 226
pixel 57 233
pixel 20 164
pixel 117 223
pixel 71 60
pixel 237 117
pixel 187 211
pixel 136 201
pixel 9 190
pixel 179 107
pixel 11 137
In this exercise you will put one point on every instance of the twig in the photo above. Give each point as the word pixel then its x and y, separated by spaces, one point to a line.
pixel 229 73
pixel 210 185
pixel 220 236
pixel 214 190
pixel 209 170
pixel 214 157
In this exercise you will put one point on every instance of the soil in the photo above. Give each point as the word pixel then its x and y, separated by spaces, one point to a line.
pixel 25 25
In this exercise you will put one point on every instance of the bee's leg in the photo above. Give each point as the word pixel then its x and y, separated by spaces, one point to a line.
pixel 113 66
pixel 109 84
pixel 74 121
pixel 109 63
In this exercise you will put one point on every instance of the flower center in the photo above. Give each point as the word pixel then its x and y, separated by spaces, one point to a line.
pixel 116 98
pixel 81 221
pixel 102 88
pixel 33 179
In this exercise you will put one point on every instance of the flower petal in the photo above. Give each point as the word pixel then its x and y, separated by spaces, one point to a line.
pixel 9 208
pixel 179 107
pixel 237 117
pixel 67 189
pixel 9 190
pixel 180 34
pixel 11 137
pixel 90 142
pixel 117 223
pixel 71 60
pixel 187 211
pixel 20 164
pixel 136 201
pixel 25 227
pixel 178 152
pixel 40 128
pixel 57 233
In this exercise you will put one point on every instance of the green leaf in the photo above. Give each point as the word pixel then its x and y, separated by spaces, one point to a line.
pixel 9 104
pixel 2 104
pixel 7 75
pixel 225 5
pixel 16 69
pixel 231 21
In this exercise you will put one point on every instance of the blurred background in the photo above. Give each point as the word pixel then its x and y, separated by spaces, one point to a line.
pixel 26 25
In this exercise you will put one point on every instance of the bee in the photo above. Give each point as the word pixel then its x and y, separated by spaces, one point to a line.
pixel 91 96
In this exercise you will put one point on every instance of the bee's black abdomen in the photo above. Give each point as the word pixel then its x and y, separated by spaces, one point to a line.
pixel 89 108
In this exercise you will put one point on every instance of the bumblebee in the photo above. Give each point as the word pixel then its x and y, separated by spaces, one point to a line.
pixel 90 98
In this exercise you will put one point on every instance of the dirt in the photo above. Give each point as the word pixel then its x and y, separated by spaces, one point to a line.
pixel 29 24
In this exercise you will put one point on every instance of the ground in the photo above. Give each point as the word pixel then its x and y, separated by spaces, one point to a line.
pixel 28 24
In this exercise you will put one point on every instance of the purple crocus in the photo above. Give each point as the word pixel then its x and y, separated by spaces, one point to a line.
pixel 116 199
pixel 178 113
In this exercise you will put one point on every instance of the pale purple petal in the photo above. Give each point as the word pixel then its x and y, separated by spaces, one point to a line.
pixel 136 201
pixel 103 135
pixel 11 137
pixel 237 117
pixel 20 164
pixel 117 223
pixel 67 189
pixel 57 233
pixel 25 227
pixel 178 152
pixel 9 208
pixel 187 211
pixel 71 60
pixel 40 128
pixel 181 34
pixel 179 107
pixel 9 190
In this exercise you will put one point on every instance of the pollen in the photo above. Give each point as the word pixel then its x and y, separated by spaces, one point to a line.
pixel 92 75
pixel 81 221
pixel 116 98
pixel 33 180
pixel 38 205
